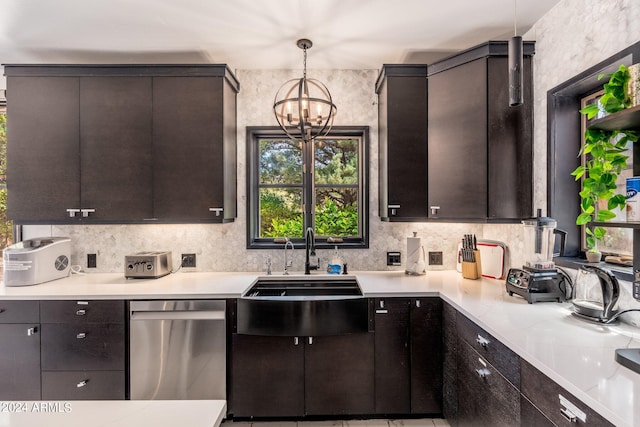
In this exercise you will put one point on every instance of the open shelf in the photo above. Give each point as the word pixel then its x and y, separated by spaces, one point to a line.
pixel 621 120
pixel 634 225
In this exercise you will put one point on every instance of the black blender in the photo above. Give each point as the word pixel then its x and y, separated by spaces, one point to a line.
pixel 539 279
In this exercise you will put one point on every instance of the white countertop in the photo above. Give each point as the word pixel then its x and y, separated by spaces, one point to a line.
pixel 113 413
pixel 576 354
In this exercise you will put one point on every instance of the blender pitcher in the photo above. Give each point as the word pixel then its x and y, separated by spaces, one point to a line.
pixel 539 241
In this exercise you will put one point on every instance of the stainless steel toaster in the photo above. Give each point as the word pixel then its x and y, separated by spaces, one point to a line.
pixel 37 260
pixel 147 265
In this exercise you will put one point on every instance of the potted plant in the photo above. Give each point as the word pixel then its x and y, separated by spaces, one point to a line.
pixel 605 160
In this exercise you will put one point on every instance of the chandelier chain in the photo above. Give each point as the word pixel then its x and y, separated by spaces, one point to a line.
pixel 304 62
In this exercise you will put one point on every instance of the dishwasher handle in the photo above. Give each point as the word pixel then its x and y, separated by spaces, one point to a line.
pixel 178 315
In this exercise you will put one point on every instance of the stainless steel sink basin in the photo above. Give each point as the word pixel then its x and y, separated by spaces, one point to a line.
pixel 313 287
pixel 303 306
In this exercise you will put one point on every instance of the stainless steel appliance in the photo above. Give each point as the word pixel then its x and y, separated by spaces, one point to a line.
pixel 147 265
pixel 539 279
pixel 177 350
pixel 596 294
pixel 37 260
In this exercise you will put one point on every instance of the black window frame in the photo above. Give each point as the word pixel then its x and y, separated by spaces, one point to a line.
pixel 563 143
pixel 253 135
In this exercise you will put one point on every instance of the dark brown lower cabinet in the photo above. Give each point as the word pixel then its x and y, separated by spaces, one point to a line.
pixel 267 376
pixel 408 364
pixel 339 374
pixel 556 403
pixel 19 361
pixel 83 385
pixel 485 397
pixel 530 416
pixel 298 376
pixel 449 364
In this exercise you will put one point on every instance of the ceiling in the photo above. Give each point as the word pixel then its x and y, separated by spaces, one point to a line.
pixel 255 34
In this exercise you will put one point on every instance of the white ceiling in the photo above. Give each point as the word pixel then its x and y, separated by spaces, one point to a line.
pixel 255 34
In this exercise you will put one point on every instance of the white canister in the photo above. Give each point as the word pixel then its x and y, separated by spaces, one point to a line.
pixel 633 199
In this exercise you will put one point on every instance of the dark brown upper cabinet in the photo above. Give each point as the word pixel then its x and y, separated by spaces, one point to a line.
pixel 402 139
pixel 121 144
pixel 480 149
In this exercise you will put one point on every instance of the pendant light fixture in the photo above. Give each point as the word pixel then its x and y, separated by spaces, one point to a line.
pixel 303 107
pixel 515 64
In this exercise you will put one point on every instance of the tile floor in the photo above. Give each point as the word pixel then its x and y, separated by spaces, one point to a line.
pixel 425 422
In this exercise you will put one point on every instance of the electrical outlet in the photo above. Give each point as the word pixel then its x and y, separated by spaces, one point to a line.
pixel 393 258
pixel 435 258
pixel 92 261
pixel 188 260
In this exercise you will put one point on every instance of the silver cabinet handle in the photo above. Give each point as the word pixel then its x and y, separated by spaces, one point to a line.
pixel 82 383
pixel 295 341
pixel 81 335
pixel 381 303
pixel 32 331
pixel 482 341
pixel 218 211
pixel 568 415
pixel 434 209
pixel 483 373
pixel 81 312
pixel 418 303
pixel 82 302
pixel 86 212
pixel 394 209
pixel 310 340
pixel 382 311
pixel 72 212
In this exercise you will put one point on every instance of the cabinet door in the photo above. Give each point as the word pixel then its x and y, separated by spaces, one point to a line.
pixel 458 142
pixel 510 144
pixel 339 375
pixel 403 148
pixel 485 398
pixel 19 362
pixel 115 150
pixel 83 385
pixel 188 147
pixel 392 375
pixel 426 356
pixel 267 376
pixel 449 362
pixel 43 165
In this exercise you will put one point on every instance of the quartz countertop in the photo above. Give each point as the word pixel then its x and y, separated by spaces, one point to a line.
pixel 576 354
pixel 113 413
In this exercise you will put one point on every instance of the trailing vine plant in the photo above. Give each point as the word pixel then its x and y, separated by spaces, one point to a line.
pixel 605 159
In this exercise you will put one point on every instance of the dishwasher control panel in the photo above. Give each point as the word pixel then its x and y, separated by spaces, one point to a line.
pixel 147 265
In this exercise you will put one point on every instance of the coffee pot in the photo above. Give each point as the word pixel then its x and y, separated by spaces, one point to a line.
pixel 596 292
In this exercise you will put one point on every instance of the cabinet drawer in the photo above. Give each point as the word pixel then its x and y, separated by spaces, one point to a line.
pixel 485 397
pixel 78 347
pixel 83 385
pixel 546 395
pixel 82 311
pixel 500 356
pixel 19 312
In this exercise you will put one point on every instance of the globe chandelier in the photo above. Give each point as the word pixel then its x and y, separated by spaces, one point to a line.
pixel 303 107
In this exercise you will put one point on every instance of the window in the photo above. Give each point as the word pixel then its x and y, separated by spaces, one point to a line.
pixel 293 185
pixel 617 241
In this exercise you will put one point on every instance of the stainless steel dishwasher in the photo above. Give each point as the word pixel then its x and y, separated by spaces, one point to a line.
pixel 177 350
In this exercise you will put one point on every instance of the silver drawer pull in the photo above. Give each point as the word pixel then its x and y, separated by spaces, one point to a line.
pixel 218 211
pixel 482 341
pixel 32 331
pixel 81 335
pixel 310 340
pixel 417 303
pixel 73 212
pixel 81 312
pixel 434 209
pixel 382 311
pixel 82 302
pixel 86 212
pixel 483 373
pixel 82 383
pixel 296 341
pixel 568 415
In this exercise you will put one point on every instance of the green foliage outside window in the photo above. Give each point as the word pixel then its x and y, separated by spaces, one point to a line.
pixel 6 227
pixel 336 188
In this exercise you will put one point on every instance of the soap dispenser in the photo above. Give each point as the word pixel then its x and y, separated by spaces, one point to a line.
pixel 335 265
